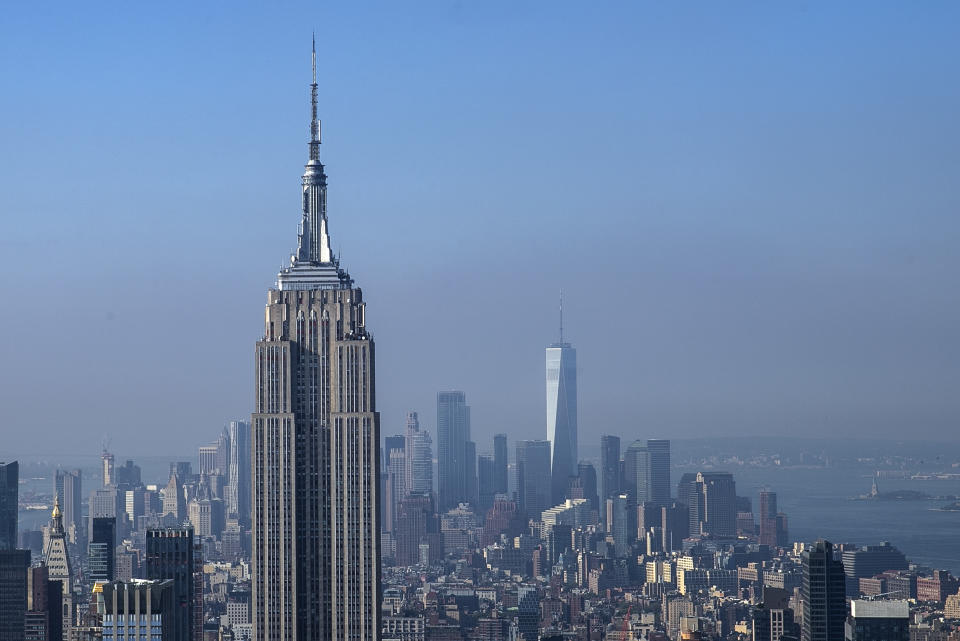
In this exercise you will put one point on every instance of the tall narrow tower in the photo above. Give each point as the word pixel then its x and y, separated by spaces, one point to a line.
pixel 562 413
pixel 58 563
pixel 315 437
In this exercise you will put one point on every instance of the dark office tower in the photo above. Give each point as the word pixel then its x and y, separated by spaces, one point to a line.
pixel 238 472
pixel 561 366
pixel 453 432
pixel 719 502
pixel 486 472
pixel 609 466
pixel 68 490
pixel 588 481
pixel 636 472
pixel 315 439
pixel 417 524
pixel 170 555
pixel 9 506
pixel 878 621
pixel 533 477
pixel 500 457
pixel 44 619
pixel 658 452
pixel 101 549
pixel 689 494
pixel 868 561
pixel 824 594
pixel 783 531
pixel 772 624
pixel 768 518
pixel 128 476
pixel 14 565
pixel 619 523
pixel 675 525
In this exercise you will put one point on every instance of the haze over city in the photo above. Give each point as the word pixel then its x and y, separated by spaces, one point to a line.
pixel 750 209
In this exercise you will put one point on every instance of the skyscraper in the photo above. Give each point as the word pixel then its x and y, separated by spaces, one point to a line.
pixel 500 456
pixel 68 489
pixel 718 500
pixel 59 567
pixel 647 472
pixel 418 451
pixel 170 555
pixel 824 595
pixel 238 473
pixel 14 566
pixel 561 368
pixel 453 432
pixel 588 482
pixel 174 501
pixel 106 464
pixel 316 443
pixel 609 470
pixel 9 507
pixel 485 482
pixel 207 459
pixel 396 479
pixel 636 472
pixel 102 547
pixel 533 477
pixel 658 452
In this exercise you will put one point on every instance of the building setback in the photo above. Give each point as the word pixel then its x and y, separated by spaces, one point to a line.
pixel 315 440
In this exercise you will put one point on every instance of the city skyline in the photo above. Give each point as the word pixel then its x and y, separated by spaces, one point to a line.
pixel 762 197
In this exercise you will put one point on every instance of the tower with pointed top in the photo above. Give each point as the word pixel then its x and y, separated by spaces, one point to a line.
pixel 58 565
pixel 562 413
pixel 315 436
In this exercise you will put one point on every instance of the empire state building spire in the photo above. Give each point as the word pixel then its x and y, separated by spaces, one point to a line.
pixel 314 121
pixel 313 265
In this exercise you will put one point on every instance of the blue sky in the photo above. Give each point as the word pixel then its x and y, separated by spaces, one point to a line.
pixel 751 209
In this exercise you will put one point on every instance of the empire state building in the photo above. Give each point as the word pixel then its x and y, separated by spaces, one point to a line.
pixel 315 443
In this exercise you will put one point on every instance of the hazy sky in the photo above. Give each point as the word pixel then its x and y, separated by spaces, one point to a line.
pixel 752 210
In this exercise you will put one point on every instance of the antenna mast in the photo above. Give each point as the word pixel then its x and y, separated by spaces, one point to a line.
pixel 314 122
pixel 561 317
